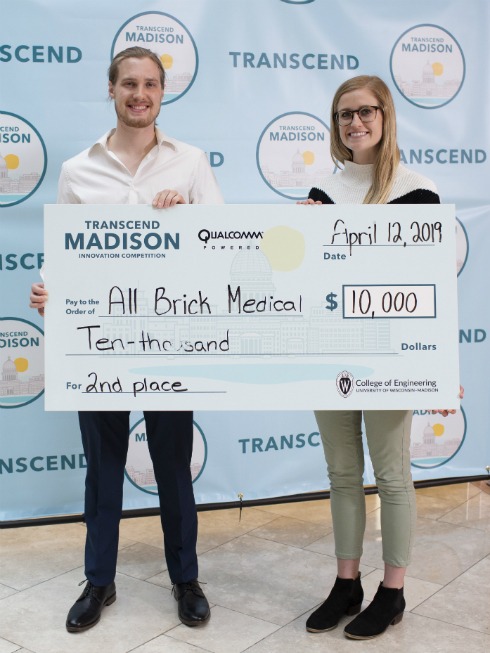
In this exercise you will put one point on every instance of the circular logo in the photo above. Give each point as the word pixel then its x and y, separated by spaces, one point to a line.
pixel 427 66
pixel 23 159
pixel 436 439
pixel 462 246
pixel 293 154
pixel 139 468
pixel 21 362
pixel 171 41
pixel 345 384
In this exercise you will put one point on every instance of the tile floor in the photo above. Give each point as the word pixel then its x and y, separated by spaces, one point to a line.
pixel 263 574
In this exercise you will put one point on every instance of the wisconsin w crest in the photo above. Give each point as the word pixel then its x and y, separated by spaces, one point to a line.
pixel 345 384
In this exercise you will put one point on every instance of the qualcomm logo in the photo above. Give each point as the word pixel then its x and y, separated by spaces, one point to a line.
pixel 293 154
pixel 435 440
pixel 173 43
pixel 21 362
pixel 139 468
pixel 427 66
pixel 23 159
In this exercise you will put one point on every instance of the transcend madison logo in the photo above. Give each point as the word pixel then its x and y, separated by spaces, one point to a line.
pixel 171 41
pixel 345 384
pixel 139 467
pixel 109 241
pixel 23 159
pixel 121 235
pixel 293 154
pixel 434 441
pixel 427 66
pixel 21 362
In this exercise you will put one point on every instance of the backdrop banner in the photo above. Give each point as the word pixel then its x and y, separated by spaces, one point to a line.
pixel 255 96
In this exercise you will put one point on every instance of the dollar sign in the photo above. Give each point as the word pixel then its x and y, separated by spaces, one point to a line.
pixel 331 303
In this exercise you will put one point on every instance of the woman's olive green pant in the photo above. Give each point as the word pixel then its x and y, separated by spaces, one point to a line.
pixel 388 438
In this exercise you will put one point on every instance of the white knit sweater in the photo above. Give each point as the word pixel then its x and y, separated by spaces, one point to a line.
pixel 350 185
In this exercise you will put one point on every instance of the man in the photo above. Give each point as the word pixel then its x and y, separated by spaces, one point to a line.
pixel 130 165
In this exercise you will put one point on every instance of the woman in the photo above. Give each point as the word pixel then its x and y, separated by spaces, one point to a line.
pixel 363 140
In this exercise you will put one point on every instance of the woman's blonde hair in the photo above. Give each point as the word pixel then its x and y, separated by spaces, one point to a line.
pixel 388 154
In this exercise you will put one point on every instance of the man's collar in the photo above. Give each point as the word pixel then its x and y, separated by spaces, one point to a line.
pixel 102 142
pixel 162 140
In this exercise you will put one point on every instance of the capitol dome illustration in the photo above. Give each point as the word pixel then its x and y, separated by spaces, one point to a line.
pixel 252 271
pixel 3 168
pixel 428 74
pixel 429 435
pixel 298 163
pixel 9 371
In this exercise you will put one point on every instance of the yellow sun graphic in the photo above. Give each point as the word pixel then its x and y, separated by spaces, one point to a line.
pixel 167 61
pixel 438 69
pixel 12 161
pixel 284 248
pixel 21 364
pixel 308 158
pixel 438 429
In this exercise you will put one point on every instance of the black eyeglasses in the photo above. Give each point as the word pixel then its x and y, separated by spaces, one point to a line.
pixel 366 114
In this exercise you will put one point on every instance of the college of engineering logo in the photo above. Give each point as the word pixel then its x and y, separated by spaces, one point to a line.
pixel 345 384
pixel 436 439
pixel 21 362
pixel 293 154
pixel 139 468
pixel 427 66
pixel 23 159
pixel 170 40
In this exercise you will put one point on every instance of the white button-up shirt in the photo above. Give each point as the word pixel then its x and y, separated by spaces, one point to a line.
pixel 97 176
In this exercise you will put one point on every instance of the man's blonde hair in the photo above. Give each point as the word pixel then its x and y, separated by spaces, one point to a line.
pixel 134 52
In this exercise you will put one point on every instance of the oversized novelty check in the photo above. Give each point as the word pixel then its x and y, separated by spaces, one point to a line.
pixel 238 307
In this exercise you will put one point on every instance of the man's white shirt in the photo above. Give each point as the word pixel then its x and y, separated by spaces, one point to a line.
pixel 97 176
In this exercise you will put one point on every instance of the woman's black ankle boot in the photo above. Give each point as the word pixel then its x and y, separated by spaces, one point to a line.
pixel 386 608
pixel 345 598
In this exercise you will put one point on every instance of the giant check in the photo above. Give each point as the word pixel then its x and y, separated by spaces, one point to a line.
pixel 235 307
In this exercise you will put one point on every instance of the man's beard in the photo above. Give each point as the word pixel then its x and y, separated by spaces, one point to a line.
pixel 137 121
